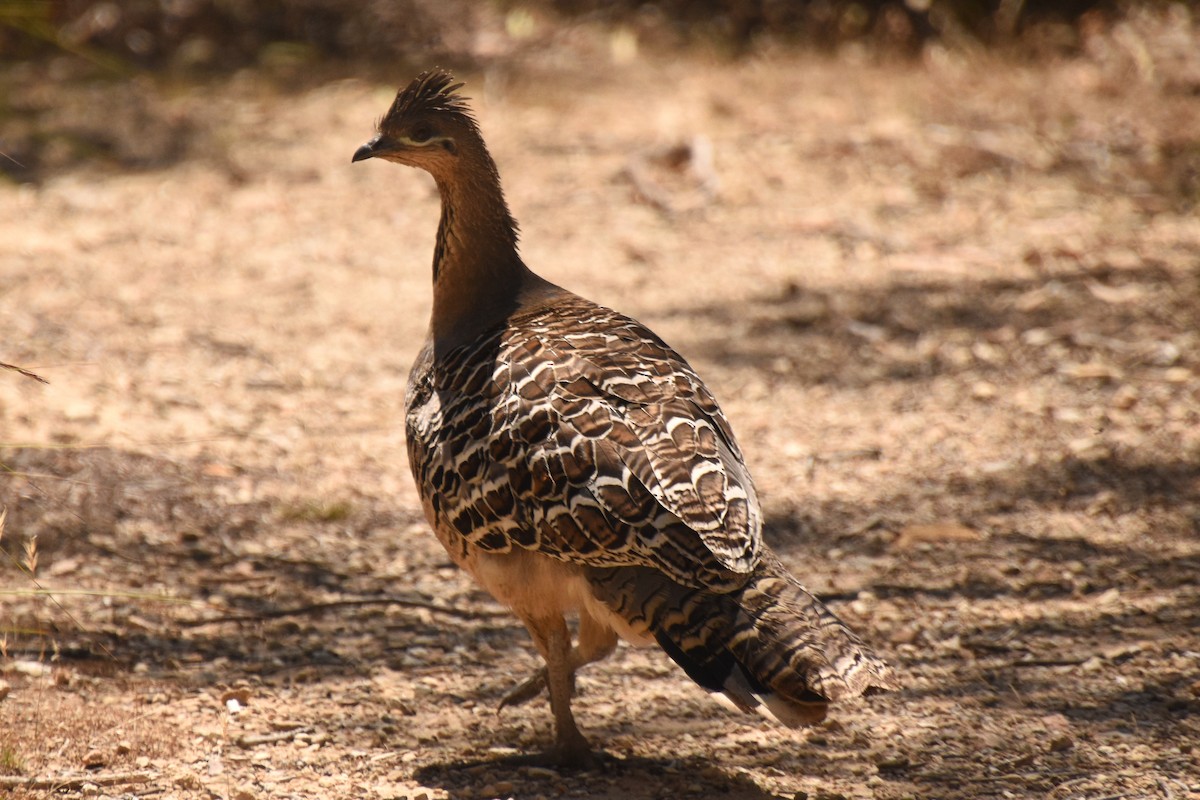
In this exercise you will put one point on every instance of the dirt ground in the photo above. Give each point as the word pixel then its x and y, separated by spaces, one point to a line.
pixel 951 307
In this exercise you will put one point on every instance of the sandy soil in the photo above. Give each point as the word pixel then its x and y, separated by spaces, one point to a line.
pixel 952 308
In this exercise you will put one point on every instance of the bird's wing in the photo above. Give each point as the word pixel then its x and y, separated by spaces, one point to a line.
pixel 629 459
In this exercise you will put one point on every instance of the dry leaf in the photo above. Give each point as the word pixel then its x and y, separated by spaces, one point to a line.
pixel 1125 397
pixel 1177 375
pixel 64 566
pixel 912 535
pixel 1090 448
pixel 1116 294
pixel 983 390
pixel 1092 370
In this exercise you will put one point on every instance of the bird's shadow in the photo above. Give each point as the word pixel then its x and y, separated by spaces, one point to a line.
pixel 613 777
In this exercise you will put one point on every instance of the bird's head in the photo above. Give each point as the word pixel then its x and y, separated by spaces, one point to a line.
pixel 427 125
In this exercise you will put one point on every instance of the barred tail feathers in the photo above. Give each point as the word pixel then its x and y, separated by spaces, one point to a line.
pixel 768 646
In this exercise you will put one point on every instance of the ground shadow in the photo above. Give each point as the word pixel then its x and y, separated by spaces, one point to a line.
pixel 135 517
pixel 614 778
pixel 854 337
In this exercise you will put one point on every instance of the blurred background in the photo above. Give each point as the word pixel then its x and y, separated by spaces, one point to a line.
pixel 938 259
pixel 64 42
pixel 221 35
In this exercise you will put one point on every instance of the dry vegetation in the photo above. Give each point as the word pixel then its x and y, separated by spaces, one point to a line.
pixel 953 309
pixel 217 35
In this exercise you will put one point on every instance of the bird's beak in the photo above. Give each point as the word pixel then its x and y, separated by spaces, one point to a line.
pixel 378 146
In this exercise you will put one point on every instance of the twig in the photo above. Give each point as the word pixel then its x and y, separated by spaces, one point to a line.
pixel 73 782
pixel 1048 662
pixel 1070 783
pixel 869 453
pixel 646 189
pixel 873 521
pixel 124 595
pixel 253 740
pixel 949 776
pixel 864 453
pixel 1165 785
pixel 317 607
pixel 24 372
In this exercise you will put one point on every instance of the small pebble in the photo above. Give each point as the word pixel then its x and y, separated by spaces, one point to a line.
pixel 982 390
pixel 188 780
pixel 34 669
pixel 1178 375
pixel 1061 742
pixel 1125 397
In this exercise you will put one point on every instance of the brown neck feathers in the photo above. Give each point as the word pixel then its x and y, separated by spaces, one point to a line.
pixel 477 272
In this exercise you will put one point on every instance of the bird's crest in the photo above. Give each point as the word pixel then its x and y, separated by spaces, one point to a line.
pixel 433 91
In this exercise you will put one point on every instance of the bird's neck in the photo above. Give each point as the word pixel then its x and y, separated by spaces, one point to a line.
pixel 478 276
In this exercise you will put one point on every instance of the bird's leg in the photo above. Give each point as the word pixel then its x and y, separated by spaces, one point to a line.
pixel 596 641
pixel 572 749
pixel 553 640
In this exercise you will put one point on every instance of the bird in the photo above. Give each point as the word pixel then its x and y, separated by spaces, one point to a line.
pixel 577 467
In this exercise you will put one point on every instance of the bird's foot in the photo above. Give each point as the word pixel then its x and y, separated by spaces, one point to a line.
pixel 528 689
pixel 573 752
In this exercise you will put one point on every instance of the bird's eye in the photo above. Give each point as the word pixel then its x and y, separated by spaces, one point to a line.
pixel 422 133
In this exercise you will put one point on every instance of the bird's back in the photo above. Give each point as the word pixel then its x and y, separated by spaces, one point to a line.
pixel 574 431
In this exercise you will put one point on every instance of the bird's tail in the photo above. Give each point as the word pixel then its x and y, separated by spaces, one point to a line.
pixel 769 646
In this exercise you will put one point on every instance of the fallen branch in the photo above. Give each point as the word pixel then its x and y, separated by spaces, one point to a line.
pixel 313 608
pixel 74 782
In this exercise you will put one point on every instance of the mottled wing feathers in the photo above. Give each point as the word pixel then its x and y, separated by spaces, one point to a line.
pixel 578 433
pixel 658 431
